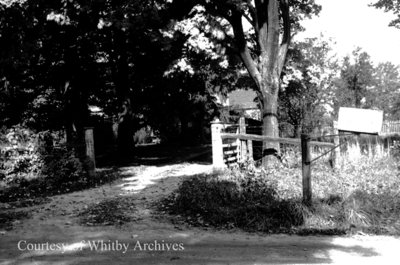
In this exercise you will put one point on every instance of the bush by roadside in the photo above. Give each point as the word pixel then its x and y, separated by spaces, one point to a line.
pixel 34 164
pixel 359 197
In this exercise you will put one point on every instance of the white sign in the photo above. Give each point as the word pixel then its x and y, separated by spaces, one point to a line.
pixel 360 120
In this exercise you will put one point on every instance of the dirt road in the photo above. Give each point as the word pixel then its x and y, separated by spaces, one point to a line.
pixel 54 234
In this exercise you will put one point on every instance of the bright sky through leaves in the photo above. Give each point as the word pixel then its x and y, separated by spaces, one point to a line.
pixel 353 23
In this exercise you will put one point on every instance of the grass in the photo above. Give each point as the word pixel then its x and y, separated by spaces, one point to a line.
pixel 359 196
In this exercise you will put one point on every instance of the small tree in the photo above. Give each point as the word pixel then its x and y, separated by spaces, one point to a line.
pixel 306 97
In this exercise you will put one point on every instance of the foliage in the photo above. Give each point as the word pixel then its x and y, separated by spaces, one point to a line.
pixel 361 196
pixel 357 80
pixel 390 6
pixel 363 85
pixel 60 56
pixel 234 199
pixel 385 95
pixel 261 46
pixel 33 166
pixel 308 81
pixel 19 155
pixel 63 170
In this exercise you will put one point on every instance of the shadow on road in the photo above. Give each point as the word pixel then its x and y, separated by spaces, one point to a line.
pixel 151 241
pixel 159 155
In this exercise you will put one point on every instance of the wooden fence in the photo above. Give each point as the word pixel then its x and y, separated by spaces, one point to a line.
pixel 390 127
pixel 231 144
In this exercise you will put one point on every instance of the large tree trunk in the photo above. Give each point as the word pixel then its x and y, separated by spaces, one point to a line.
pixel 266 68
pixel 271 151
pixel 270 20
pixel 270 119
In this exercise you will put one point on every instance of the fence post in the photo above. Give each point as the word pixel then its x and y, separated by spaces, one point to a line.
pixel 306 168
pixel 216 140
pixel 250 148
pixel 242 146
pixel 335 154
pixel 89 142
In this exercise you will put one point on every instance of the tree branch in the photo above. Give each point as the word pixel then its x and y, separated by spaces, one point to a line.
pixel 262 23
pixel 273 33
pixel 249 19
pixel 253 14
pixel 237 26
pixel 286 34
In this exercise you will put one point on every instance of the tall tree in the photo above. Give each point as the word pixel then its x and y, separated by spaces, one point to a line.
pixel 357 81
pixel 386 93
pixel 392 6
pixel 264 51
pixel 62 55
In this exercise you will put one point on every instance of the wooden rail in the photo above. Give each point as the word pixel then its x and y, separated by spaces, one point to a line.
pixel 390 127
pixel 244 148
pixel 253 137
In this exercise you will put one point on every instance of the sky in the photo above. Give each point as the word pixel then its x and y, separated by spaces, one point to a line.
pixel 353 23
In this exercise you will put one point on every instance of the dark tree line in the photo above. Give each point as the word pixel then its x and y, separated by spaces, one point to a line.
pixel 139 62
pixel 58 57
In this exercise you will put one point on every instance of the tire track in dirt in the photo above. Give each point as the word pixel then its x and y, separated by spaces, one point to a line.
pixel 141 185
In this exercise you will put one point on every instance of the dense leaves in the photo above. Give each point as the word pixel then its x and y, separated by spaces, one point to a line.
pixel 357 77
pixel 364 85
pixel 38 164
pixel 306 96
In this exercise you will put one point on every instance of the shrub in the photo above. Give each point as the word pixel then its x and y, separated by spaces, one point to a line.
pixel 362 195
pixel 38 163
pixel 19 156
pixel 234 199
pixel 63 170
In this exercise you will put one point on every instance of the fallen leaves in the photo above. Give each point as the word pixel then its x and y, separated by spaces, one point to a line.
pixel 113 211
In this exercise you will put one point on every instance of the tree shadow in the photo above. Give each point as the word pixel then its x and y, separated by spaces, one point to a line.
pixel 159 155
pixel 201 246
